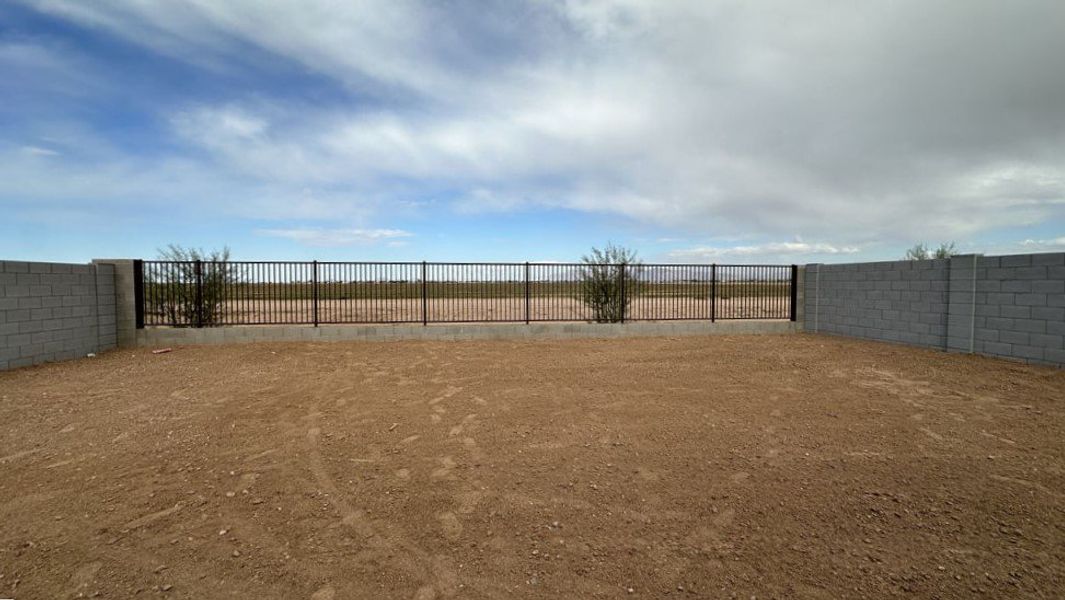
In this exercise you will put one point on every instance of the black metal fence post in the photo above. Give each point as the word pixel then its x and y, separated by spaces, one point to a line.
pixel 199 293
pixel 138 292
pixel 314 294
pixel 624 305
pixel 526 293
pixel 713 292
pixel 425 295
pixel 794 291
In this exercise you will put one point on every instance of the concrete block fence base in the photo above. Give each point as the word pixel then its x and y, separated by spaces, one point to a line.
pixel 160 336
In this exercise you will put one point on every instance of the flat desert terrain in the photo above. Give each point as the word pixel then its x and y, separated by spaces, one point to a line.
pixel 460 310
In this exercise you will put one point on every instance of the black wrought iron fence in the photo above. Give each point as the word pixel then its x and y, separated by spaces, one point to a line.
pixel 205 294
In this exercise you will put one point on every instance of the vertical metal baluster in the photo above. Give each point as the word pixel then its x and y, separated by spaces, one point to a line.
pixel 743 287
pixel 199 293
pixel 723 291
pixel 171 272
pixel 713 292
pixel 267 294
pixel 749 294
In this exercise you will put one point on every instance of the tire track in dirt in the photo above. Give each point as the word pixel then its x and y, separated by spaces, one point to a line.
pixel 437 572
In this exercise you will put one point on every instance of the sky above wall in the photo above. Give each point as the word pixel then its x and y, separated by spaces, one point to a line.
pixel 692 131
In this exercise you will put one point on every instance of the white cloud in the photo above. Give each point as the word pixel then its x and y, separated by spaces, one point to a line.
pixel 792 250
pixel 38 151
pixel 337 237
pixel 1055 244
pixel 702 119
pixel 221 122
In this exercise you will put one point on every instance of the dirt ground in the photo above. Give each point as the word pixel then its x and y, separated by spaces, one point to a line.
pixel 703 467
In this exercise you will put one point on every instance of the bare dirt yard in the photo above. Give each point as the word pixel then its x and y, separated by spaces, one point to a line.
pixel 703 467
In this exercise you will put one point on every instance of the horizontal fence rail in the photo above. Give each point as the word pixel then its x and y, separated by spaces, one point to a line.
pixel 215 293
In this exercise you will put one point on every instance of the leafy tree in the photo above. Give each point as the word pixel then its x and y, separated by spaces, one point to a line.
pixel 607 282
pixel 922 252
pixel 174 292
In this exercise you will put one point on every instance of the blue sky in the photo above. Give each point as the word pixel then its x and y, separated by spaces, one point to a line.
pixel 691 131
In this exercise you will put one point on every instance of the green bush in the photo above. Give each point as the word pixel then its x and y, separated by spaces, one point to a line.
pixel 176 298
pixel 607 282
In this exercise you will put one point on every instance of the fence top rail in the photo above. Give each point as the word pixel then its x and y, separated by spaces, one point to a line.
pixel 458 264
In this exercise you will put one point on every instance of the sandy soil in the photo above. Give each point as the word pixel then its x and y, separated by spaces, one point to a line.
pixel 478 309
pixel 786 467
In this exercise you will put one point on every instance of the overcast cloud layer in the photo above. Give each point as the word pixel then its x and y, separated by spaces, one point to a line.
pixel 694 130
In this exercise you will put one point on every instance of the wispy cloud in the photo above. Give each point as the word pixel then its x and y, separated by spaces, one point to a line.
pixel 1044 245
pixel 219 122
pixel 337 237
pixel 772 249
pixel 38 151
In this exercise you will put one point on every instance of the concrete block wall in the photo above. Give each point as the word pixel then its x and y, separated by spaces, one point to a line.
pixel 1005 306
pixel 1009 306
pixel 125 303
pixel 900 301
pixel 54 311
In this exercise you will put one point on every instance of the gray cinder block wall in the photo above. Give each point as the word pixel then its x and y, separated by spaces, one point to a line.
pixel 899 301
pixel 54 311
pixel 1006 306
pixel 125 303
pixel 1009 306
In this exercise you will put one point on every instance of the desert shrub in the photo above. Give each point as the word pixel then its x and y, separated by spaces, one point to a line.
pixel 607 279
pixel 922 252
pixel 176 297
